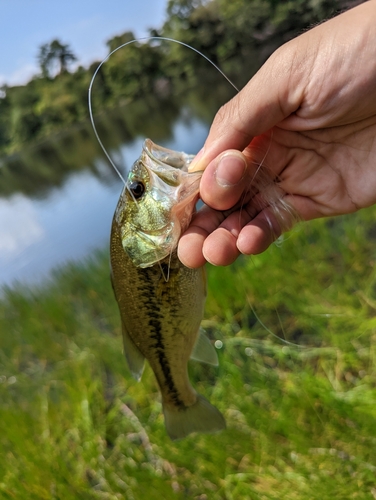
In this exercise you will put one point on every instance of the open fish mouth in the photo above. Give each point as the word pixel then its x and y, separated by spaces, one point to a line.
pixel 161 157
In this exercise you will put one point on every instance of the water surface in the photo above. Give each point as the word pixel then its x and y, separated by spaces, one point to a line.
pixel 57 200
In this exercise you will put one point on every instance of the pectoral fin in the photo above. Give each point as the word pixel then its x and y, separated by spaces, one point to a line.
pixel 135 358
pixel 203 350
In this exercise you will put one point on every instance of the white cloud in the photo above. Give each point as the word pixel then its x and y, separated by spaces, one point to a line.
pixel 19 227
pixel 20 76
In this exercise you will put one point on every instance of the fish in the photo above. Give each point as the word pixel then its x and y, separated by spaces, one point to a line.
pixel 161 302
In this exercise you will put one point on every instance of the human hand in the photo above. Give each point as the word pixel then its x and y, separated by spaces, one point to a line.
pixel 308 117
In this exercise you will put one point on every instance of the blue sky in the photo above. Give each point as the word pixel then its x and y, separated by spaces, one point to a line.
pixel 85 25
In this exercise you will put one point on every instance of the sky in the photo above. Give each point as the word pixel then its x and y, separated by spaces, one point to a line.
pixel 85 25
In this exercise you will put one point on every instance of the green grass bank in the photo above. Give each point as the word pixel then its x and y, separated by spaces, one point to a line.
pixel 301 418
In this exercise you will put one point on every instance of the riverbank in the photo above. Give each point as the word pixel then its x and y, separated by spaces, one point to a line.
pixel 301 419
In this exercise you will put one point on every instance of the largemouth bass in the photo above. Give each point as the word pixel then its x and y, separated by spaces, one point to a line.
pixel 161 302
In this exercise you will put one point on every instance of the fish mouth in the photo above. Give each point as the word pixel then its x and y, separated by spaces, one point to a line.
pixel 167 157
pixel 171 167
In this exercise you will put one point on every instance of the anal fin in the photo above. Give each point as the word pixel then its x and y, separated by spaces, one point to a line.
pixel 136 360
pixel 203 350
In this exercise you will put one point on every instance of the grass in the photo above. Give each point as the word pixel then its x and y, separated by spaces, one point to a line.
pixel 301 415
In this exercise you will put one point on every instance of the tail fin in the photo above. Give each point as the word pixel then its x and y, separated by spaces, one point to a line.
pixel 200 417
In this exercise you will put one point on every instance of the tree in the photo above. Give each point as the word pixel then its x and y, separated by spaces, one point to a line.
pixel 55 57
pixel 4 117
pixel 119 40
pixel 183 8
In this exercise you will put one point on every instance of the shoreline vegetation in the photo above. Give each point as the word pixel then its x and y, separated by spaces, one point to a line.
pixel 238 36
pixel 300 415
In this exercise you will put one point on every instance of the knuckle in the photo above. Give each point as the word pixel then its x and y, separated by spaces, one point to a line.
pixel 231 116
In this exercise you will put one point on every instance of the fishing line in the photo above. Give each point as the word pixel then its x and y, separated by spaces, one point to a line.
pixel 166 277
pixel 273 334
pixel 157 38
pixel 253 177
pixel 146 38
pixel 161 38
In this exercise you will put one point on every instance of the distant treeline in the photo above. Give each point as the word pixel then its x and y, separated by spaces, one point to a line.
pixel 237 35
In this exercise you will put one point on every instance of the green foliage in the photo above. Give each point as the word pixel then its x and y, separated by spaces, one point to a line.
pixel 23 123
pixel 118 40
pixel 132 72
pixel 5 110
pixel 301 418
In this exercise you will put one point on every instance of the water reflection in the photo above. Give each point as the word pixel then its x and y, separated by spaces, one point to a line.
pixel 20 226
pixel 55 207
pixel 67 224
pixel 36 170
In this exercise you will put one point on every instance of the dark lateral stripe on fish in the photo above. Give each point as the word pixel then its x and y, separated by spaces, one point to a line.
pixel 155 324
pixel 146 290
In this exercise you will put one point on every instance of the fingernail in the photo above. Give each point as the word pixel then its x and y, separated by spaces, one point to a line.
pixel 230 169
pixel 195 165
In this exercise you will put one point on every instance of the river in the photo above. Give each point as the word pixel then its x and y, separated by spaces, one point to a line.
pixel 57 198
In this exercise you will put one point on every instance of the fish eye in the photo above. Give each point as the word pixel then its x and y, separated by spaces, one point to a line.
pixel 137 188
